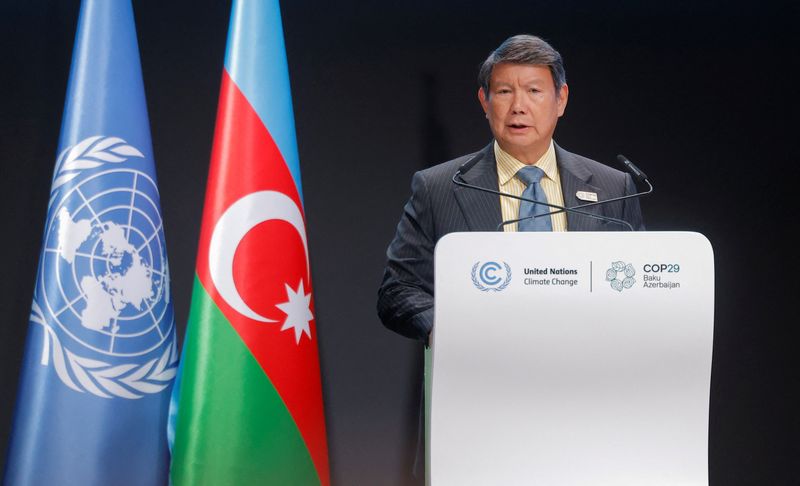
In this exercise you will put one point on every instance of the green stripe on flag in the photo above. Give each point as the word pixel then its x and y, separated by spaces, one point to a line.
pixel 233 428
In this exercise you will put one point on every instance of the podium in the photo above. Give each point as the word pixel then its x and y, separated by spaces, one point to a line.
pixel 570 359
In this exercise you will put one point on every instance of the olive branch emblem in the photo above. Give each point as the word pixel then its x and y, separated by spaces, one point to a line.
pixel 484 288
pixel 89 153
pixel 100 378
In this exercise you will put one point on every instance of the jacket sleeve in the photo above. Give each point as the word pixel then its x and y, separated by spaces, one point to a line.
pixel 405 297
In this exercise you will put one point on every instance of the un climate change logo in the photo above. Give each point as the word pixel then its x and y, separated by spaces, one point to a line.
pixel 620 275
pixel 103 291
pixel 486 276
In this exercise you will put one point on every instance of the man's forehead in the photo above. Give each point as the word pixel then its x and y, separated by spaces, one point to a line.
pixel 506 72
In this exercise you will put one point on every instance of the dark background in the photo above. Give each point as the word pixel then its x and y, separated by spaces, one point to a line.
pixel 699 94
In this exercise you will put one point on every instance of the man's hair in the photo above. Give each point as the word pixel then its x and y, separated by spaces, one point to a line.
pixel 524 49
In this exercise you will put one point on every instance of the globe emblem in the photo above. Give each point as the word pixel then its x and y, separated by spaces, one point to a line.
pixel 104 279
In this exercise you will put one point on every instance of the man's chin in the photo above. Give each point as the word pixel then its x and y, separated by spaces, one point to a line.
pixel 524 149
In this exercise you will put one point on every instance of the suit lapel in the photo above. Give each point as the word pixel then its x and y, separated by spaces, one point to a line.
pixel 481 210
pixel 575 177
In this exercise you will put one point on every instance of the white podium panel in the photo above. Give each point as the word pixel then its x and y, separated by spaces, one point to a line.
pixel 571 359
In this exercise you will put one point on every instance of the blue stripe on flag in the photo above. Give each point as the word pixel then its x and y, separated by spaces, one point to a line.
pixel 256 61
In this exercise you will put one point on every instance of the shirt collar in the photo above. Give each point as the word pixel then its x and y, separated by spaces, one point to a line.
pixel 508 165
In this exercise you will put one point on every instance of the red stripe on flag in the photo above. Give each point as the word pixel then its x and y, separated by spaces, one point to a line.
pixel 244 160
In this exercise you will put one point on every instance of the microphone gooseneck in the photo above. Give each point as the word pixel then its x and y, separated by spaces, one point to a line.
pixel 471 163
pixel 629 166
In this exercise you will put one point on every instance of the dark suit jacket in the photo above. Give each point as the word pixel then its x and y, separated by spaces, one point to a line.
pixel 437 207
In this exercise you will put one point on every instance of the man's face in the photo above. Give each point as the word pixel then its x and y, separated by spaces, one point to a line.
pixel 523 107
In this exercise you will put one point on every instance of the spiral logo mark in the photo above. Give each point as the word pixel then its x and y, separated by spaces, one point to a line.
pixel 620 276
pixel 487 276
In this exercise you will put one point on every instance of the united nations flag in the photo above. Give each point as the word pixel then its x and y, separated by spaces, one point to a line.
pixel 100 356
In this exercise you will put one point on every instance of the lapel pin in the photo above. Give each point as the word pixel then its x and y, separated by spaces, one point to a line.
pixel 586 196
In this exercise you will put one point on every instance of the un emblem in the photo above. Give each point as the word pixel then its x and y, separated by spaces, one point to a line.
pixel 487 276
pixel 102 295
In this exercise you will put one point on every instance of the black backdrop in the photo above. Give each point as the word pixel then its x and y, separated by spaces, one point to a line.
pixel 698 94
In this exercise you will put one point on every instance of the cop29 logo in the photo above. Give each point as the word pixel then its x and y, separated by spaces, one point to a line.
pixel 491 276
pixel 621 276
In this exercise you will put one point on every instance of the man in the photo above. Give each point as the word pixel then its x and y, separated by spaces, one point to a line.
pixel 523 92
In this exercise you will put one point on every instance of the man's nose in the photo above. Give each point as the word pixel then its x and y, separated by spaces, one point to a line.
pixel 517 104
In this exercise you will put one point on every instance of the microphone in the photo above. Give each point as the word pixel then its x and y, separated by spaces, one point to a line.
pixel 469 164
pixel 629 166
pixel 633 169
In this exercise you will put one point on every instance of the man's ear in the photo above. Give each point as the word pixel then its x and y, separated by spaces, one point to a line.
pixel 483 99
pixel 563 95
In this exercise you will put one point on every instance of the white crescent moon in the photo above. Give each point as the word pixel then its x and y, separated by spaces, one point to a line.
pixel 233 225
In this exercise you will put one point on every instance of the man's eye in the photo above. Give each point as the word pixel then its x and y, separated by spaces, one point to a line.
pixel 534 90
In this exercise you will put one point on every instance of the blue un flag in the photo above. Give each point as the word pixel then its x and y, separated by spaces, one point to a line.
pixel 100 356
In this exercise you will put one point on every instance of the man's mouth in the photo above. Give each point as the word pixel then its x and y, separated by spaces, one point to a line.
pixel 517 126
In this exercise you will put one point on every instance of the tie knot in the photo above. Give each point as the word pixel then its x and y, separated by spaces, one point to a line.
pixel 530 174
